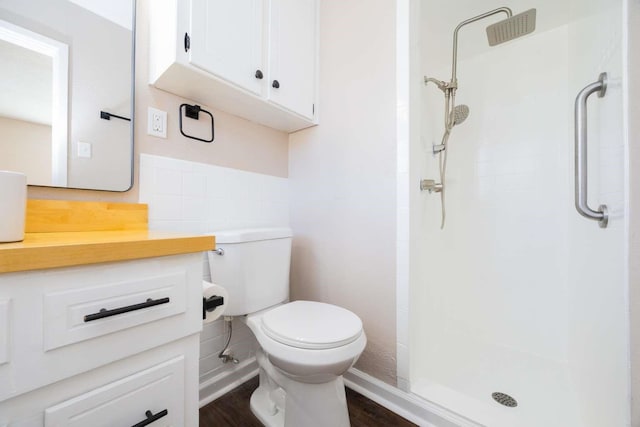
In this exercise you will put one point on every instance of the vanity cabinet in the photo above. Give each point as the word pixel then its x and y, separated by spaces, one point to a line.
pixel 104 344
pixel 256 59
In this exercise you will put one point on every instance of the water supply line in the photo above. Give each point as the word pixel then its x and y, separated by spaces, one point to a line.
pixel 226 355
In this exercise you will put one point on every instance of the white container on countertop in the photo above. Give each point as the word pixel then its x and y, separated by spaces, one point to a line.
pixel 13 205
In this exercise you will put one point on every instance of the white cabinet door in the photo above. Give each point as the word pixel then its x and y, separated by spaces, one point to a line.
pixel 226 40
pixel 292 53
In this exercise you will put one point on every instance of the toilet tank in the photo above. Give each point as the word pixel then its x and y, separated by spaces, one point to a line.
pixel 254 268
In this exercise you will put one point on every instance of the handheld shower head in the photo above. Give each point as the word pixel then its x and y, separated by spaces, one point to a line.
pixel 511 28
pixel 459 114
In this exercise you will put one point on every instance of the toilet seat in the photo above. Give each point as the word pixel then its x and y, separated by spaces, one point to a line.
pixel 311 325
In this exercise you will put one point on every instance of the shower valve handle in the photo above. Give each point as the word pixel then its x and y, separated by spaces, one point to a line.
pixel 430 185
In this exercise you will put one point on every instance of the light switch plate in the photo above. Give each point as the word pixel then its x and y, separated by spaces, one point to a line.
pixel 84 150
pixel 157 123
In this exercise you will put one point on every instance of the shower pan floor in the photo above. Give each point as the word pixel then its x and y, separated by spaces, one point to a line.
pixel 463 381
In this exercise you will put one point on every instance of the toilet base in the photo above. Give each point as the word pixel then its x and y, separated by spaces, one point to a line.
pixel 280 401
pixel 261 406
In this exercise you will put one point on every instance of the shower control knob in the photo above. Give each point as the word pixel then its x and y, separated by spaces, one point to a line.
pixel 430 185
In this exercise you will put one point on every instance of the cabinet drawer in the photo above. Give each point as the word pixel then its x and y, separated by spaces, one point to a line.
pixel 49 339
pixel 157 391
pixel 79 314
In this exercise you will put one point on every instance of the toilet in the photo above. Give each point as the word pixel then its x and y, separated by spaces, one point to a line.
pixel 305 346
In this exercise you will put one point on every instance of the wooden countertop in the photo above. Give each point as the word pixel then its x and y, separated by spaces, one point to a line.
pixel 64 249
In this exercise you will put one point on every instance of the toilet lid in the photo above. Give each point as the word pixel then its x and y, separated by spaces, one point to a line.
pixel 311 325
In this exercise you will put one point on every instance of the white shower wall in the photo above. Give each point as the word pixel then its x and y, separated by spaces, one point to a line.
pixel 503 228
pixel 515 294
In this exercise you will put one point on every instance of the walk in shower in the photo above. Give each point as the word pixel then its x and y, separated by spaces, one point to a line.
pixel 517 308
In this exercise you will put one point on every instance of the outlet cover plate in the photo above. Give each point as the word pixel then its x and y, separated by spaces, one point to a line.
pixel 157 122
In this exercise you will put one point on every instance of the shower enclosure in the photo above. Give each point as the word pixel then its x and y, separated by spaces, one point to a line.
pixel 517 311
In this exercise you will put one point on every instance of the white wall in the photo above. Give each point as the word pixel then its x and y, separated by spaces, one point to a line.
pixel 26 147
pixel 343 177
pixel 192 197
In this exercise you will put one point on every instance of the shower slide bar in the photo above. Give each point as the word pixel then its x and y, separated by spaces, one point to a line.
pixel 582 205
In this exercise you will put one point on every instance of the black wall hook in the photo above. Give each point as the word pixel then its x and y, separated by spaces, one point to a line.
pixel 193 112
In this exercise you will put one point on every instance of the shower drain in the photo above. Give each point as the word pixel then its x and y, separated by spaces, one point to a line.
pixel 504 399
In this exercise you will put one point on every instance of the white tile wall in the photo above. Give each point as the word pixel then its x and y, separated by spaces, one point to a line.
pixel 193 197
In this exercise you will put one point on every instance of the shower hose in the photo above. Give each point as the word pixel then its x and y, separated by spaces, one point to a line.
pixel 442 163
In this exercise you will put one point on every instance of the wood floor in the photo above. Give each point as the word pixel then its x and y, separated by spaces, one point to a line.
pixel 232 410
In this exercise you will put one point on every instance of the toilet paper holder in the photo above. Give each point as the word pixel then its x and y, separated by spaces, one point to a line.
pixel 210 304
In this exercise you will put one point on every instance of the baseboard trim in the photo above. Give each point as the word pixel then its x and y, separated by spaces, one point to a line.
pixel 217 386
pixel 407 405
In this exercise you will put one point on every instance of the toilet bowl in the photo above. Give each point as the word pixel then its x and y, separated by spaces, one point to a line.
pixel 305 346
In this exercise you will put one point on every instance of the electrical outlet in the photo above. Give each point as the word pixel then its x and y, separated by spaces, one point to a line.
pixel 84 150
pixel 157 122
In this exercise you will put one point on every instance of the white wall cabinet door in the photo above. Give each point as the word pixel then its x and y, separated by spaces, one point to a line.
pixel 292 55
pixel 226 40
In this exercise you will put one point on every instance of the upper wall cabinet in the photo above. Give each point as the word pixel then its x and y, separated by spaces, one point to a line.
pixel 292 55
pixel 256 59
pixel 226 40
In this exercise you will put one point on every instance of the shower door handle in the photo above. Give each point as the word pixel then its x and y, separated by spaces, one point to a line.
pixel 582 205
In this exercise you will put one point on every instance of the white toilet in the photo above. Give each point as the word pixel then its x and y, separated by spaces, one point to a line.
pixel 305 346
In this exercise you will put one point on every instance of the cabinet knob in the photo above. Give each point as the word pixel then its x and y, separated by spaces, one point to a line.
pixel 275 84
pixel 259 75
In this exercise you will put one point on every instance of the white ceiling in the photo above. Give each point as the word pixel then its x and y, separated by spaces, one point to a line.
pixel 118 11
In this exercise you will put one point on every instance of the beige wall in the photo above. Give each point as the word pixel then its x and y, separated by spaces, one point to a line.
pixel 26 148
pixel 343 175
pixel 239 143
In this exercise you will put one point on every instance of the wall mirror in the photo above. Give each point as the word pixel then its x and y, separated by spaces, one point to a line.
pixel 67 75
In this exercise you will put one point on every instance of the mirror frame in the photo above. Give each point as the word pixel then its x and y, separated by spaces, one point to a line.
pixel 59 52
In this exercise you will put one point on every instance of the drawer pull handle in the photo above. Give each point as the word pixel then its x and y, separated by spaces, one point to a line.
pixel 108 313
pixel 151 418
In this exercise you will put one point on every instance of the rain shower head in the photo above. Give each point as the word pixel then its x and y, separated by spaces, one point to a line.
pixel 511 28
